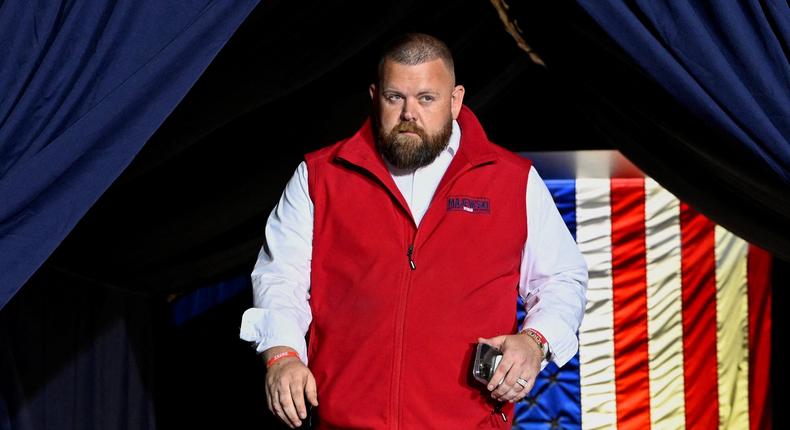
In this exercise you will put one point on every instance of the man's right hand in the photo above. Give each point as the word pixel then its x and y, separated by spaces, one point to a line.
pixel 288 382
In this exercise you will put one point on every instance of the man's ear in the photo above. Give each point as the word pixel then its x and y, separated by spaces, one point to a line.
pixel 372 91
pixel 457 100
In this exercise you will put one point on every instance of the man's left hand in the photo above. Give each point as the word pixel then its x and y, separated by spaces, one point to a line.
pixel 520 365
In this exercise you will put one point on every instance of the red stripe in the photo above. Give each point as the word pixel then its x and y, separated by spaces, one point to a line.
pixel 698 267
pixel 629 278
pixel 759 269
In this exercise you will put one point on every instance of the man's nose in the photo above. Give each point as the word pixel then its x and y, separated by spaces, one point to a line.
pixel 407 113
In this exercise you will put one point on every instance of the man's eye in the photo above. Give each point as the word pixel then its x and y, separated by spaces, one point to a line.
pixel 392 97
pixel 427 98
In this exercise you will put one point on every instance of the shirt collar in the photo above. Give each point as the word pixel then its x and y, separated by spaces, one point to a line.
pixel 455 139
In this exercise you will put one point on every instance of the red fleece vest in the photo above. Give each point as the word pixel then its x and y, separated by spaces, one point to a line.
pixel 397 309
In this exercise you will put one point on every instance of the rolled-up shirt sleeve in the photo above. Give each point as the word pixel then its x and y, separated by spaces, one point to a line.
pixel 553 280
pixel 281 314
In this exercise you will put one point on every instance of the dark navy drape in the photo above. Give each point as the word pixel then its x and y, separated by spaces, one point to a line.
pixel 77 357
pixel 726 61
pixel 83 85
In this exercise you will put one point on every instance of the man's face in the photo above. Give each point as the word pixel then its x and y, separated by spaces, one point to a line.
pixel 415 107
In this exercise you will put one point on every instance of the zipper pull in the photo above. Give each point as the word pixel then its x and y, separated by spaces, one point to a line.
pixel 498 410
pixel 411 261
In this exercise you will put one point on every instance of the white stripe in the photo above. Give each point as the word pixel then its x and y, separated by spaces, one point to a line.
pixel 596 335
pixel 732 337
pixel 664 308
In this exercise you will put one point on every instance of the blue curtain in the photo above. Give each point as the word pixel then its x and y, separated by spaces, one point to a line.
pixel 725 61
pixel 83 85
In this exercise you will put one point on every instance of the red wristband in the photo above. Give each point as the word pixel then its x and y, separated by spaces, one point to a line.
pixel 539 339
pixel 281 355
pixel 539 335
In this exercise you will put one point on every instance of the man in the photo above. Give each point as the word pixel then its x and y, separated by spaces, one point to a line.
pixel 399 249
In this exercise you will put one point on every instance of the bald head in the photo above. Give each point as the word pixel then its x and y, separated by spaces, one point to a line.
pixel 416 48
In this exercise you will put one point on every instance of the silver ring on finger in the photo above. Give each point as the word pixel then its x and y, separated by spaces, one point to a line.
pixel 523 382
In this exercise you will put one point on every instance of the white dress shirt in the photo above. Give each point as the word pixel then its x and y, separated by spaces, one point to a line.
pixel 553 278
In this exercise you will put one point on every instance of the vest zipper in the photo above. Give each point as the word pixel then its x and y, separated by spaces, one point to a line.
pixel 399 337
pixel 497 409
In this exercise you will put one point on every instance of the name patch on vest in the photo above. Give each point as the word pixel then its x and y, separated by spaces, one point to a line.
pixel 473 205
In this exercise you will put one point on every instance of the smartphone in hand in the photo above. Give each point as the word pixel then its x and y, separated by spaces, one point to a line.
pixel 487 359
